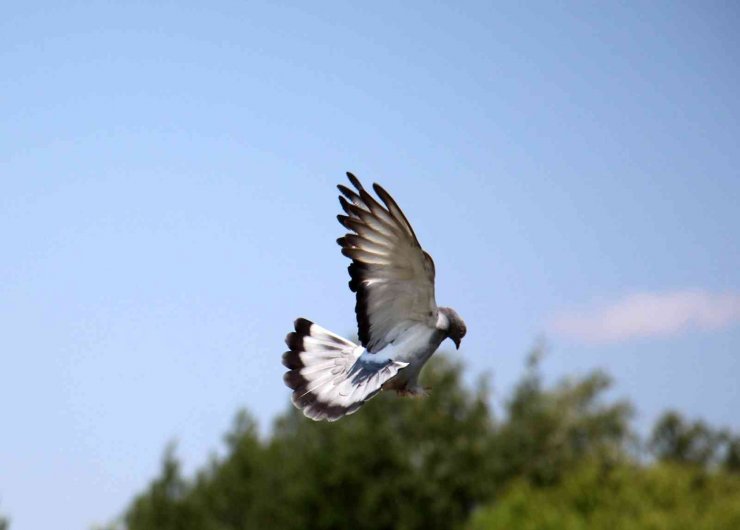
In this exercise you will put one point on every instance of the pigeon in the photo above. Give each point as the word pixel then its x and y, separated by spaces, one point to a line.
pixel 399 323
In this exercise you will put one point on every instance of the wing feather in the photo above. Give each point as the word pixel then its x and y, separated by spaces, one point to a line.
pixel 392 276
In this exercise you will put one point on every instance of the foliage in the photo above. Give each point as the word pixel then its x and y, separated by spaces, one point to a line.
pixel 163 506
pixel 560 457
pixel 675 439
pixel 550 431
pixel 370 470
pixel 623 497
pixel 731 460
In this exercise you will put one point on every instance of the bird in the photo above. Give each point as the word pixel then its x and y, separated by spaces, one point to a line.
pixel 399 324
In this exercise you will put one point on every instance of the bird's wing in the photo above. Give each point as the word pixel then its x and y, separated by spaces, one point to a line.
pixel 391 274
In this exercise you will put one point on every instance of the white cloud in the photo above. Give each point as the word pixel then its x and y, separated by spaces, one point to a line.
pixel 650 315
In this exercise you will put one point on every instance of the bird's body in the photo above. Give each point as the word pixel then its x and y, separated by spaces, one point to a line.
pixel 415 346
pixel 400 325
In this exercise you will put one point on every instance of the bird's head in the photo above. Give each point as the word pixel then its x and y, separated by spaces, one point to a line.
pixel 455 328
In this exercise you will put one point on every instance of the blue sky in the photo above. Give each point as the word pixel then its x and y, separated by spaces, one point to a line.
pixel 167 208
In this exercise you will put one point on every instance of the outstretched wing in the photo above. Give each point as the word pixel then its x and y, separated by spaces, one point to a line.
pixel 391 274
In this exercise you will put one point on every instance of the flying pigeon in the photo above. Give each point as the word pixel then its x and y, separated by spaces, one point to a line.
pixel 399 323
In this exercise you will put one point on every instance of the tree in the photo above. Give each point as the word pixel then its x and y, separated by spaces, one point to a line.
pixel 548 431
pixel 560 457
pixel 238 491
pixel 622 497
pixel 674 439
pixel 164 505
pixel 378 468
pixel 375 469
pixel 731 460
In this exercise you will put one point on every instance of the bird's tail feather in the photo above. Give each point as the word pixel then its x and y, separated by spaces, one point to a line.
pixel 331 377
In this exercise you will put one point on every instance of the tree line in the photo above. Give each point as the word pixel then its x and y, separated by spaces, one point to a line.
pixel 557 457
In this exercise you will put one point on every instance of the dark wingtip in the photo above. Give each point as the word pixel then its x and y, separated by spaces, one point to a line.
pixel 344 203
pixel 343 220
pixel 292 360
pixel 384 196
pixel 344 190
pixel 294 341
pixel 380 191
pixel 342 241
pixel 293 379
pixel 355 181
pixel 303 326
pixel 328 412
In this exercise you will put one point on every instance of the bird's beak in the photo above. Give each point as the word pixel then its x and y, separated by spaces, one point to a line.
pixel 457 343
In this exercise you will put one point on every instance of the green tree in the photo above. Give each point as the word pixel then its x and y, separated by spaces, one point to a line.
pixel 376 469
pixel 399 463
pixel 239 490
pixel 731 461
pixel 165 504
pixel 623 497
pixel 675 439
pixel 549 431
pixel 560 457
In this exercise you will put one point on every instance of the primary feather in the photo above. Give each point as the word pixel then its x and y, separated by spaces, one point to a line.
pixel 392 276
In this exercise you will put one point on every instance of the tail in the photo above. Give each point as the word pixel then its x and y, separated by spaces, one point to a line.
pixel 332 377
